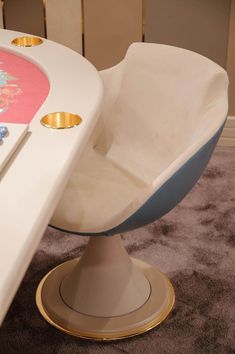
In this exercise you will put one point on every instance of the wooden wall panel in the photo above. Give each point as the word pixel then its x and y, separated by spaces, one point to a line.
pixel 231 59
pixel 198 25
pixel 110 26
pixel 64 22
pixel 228 134
pixel 1 14
pixel 25 16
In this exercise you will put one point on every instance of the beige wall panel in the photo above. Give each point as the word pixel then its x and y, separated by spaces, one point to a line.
pixel 198 25
pixel 64 22
pixel 230 123
pixel 110 26
pixel 229 133
pixel 231 59
pixel 25 16
pixel 1 15
pixel 230 142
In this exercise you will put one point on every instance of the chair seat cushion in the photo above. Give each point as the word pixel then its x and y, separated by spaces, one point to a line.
pixel 98 196
pixel 161 105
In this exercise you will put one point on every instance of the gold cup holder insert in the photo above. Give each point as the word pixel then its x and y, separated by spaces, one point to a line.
pixel 61 120
pixel 27 41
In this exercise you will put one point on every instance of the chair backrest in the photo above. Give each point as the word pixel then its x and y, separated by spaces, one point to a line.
pixel 161 99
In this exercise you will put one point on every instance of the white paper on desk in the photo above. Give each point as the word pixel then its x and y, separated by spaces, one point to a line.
pixel 9 143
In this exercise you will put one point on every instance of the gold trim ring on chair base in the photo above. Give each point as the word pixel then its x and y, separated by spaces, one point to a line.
pixel 149 315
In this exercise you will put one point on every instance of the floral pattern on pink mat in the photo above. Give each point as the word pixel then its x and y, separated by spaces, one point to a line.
pixel 8 90
pixel 23 88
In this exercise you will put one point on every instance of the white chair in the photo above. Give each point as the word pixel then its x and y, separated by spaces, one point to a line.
pixel 163 112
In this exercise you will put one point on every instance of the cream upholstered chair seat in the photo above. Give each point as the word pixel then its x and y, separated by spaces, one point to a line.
pixel 161 105
pixel 100 193
pixel 163 111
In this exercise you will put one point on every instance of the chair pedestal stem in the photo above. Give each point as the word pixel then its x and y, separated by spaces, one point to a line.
pixel 105 294
pixel 105 282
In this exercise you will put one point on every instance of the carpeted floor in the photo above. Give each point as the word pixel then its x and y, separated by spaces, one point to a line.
pixel 193 244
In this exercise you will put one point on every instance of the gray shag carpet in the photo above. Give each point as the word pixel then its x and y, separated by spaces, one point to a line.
pixel 193 244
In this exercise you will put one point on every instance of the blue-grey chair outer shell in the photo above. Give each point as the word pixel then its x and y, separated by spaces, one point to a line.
pixel 169 195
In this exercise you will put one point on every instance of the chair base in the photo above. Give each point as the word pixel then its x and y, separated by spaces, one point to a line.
pixel 150 314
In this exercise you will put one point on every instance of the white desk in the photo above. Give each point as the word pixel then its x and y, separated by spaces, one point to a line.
pixel 34 178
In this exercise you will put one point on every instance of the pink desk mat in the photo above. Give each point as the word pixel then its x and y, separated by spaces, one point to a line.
pixel 23 88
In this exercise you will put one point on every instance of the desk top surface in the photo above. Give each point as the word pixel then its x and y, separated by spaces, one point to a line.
pixel 33 179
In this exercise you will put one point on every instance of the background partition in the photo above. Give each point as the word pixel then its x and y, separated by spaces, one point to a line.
pixel 64 22
pixel 204 26
pixel 102 30
pixel 228 135
pixel 231 58
pixel 201 26
pixel 110 26
pixel 25 16
pixel 1 15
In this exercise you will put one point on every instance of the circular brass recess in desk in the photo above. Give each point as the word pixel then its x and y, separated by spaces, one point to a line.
pixel 61 120
pixel 26 41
